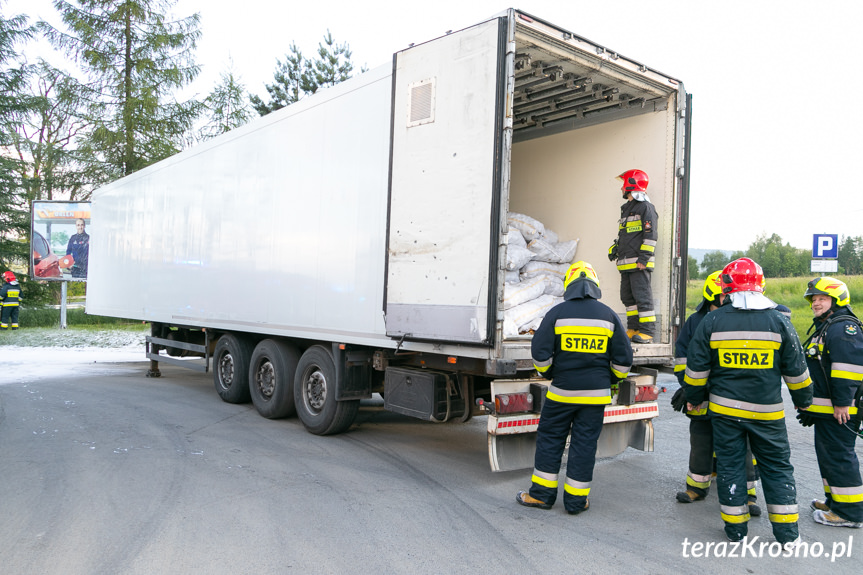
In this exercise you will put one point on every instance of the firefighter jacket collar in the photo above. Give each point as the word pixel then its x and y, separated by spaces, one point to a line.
pixel 751 300
pixel 640 196
pixel 582 288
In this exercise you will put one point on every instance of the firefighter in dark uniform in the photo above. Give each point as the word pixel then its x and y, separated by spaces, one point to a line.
pixel 582 347
pixel 834 353
pixel 738 354
pixel 10 298
pixel 634 251
pixel 701 460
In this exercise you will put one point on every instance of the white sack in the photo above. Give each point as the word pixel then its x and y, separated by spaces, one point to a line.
pixel 553 284
pixel 559 253
pixel 525 313
pixel 535 268
pixel 514 237
pixel 533 325
pixel 529 227
pixel 515 294
pixel 517 257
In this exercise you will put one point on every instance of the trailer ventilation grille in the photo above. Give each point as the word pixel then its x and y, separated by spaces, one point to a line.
pixel 421 103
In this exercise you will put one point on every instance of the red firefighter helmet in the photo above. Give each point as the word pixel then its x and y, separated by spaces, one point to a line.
pixel 9 276
pixel 742 275
pixel 634 181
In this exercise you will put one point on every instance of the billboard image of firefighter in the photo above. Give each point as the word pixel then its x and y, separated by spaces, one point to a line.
pixel 59 243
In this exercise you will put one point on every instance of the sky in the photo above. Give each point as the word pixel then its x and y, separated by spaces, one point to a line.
pixel 776 137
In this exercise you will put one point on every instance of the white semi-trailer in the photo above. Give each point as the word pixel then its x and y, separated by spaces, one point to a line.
pixel 356 242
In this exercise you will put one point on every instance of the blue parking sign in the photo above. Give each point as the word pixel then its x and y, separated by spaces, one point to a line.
pixel 825 246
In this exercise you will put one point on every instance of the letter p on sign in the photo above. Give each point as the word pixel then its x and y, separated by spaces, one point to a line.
pixel 825 246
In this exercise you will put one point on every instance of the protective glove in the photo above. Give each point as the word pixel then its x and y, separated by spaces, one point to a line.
pixel 612 252
pixel 678 400
pixel 805 418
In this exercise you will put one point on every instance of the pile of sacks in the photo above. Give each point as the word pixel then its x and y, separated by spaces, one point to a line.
pixel 536 262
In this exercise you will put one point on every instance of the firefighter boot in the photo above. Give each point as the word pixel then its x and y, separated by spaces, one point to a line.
pixel 833 520
pixel 524 498
pixel 689 496
pixel 630 333
pixel 641 338
pixel 577 511
pixel 819 505
pixel 754 508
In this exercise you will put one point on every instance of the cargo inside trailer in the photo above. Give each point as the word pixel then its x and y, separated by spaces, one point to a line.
pixel 579 121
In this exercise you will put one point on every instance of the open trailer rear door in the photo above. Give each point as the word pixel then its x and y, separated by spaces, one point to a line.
pixel 444 187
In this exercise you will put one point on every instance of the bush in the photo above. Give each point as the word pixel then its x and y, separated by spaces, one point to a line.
pixel 50 317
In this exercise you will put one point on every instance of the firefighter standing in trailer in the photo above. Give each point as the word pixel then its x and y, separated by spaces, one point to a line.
pixel 738 354
pixel 700 473
pixel 634 251
pixel 582 347
pixel 10 298
pixel 834 353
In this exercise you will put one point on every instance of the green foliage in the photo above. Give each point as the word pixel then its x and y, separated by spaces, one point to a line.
pixel 226 107
pixel 15 104
pixel 788 292
pixel 135 59
pixel 50 317
pixel 333 64
pixel 851 255
pixel 298 76
pixel 692 267
pixel 713 261
pixel 778 260
pixel 47 138
pixel 293 80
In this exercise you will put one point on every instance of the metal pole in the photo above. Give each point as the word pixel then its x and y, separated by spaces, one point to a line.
pixel 63 305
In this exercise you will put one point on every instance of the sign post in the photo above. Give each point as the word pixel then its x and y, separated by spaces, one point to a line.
pixel 825 253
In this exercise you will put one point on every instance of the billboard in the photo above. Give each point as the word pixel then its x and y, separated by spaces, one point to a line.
pixel 59 242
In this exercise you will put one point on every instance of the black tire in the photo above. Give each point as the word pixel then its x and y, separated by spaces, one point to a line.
pixel 231 368
pixel 271 378
pixel 315 394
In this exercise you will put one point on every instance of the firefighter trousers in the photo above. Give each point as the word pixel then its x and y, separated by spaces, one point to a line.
pixel 840 470
pixel 702 463
pixel 637 295
pixel 769 442
pixel 9 317
pixel 583 423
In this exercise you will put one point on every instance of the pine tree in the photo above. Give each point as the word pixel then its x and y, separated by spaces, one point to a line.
pixel 293 79
pixel 333 64
pixel 297 76
pixel 226 107
pixel 135 57
pixel 15 103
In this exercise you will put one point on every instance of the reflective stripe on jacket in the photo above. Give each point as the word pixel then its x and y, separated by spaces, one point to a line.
pixel 745 355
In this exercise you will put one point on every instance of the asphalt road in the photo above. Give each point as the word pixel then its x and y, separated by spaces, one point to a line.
pixel 105 471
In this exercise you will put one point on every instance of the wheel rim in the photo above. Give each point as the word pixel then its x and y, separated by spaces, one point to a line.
pixel 265 379
pixel 226 370
pixel 315 390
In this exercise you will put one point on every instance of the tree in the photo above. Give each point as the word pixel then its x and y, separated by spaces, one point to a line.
pixel 15 103
pixel 851 255
pixel 333 64
pixel 293 80
pixel 46 138
pixel 134 58
pixel 778 260
pixel 226 107
pixel 692 268
pixel 712 261
pixel 298 77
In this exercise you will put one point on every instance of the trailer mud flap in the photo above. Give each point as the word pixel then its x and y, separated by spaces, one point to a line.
pixel 510 452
